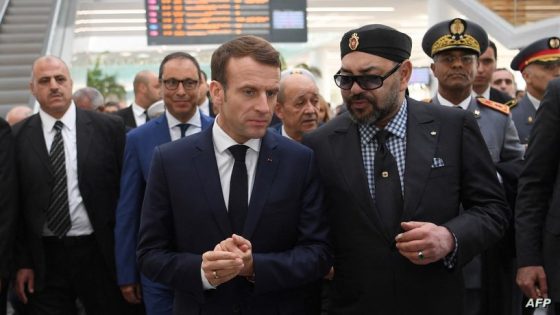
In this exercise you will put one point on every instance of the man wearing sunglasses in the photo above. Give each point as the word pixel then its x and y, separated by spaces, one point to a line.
pixel 539 63
pixel 455 46
pixel 179 76
pixel 395 175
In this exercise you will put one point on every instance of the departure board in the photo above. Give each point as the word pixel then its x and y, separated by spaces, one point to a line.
pixel 185 22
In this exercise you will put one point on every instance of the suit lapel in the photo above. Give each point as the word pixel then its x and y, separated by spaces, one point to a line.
pixel 162 130
pixel 209 177
pixel 265 171
pixel 348 157
pixel 84 137
pixel 205 121
pixel 422 138
pixel 37 140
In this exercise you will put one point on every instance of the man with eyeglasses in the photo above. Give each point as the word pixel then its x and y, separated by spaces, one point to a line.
pixel 503 80
pixel 539 63
pixel 394 177
pixel 298 103
pixel 179 75
pixel 455 46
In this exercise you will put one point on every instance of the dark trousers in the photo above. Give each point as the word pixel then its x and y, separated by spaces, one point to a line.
pixel 75 269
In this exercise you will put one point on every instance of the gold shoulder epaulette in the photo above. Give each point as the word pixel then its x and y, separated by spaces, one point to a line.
pixel 511 103
pixel 504 109
pixel 427 100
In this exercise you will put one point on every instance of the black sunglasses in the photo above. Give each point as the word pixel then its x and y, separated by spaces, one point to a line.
pixel 366 82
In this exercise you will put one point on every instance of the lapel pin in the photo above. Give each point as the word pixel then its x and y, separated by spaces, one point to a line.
pixel 269 159
pixel 476 113
pixel 433 133
pixel 384 174
pixel 530 119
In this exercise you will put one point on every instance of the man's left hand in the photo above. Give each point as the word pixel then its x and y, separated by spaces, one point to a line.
pixel 241 246
pixel 424 242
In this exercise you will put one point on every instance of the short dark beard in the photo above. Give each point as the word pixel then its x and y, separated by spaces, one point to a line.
pixel 378 113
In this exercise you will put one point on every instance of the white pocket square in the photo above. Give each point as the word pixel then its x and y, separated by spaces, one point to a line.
pixel 437 162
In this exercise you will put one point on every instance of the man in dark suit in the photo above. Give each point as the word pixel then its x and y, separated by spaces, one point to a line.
pixel 8 207
pixel 204 102
pixel 236 178
pixel 146 92
pixel 177 122
pixel 481 84
pixel 69 163
pixel 539 63
pixel 396 171
pixel 537 213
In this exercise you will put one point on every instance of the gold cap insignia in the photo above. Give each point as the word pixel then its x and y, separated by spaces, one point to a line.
pixel 354 41
pixel 456 38
pixel 554 42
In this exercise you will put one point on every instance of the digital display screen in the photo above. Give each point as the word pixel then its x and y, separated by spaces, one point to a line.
pixel 185 22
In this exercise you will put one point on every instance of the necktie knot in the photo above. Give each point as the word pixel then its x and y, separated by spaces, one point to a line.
pixel 58 126
pixel 238 151
pixel 183 128
pixel 382 136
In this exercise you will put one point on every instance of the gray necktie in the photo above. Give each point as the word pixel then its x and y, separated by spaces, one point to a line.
pixel 58 212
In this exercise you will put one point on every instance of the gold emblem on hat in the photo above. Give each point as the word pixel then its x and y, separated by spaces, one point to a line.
pixel 354 41
pixel 457 27
pixel 554 42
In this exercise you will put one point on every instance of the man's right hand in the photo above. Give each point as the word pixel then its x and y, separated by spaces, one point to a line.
pixel 532 281
pixel 132 293
pixel 220 266
pixel 24 278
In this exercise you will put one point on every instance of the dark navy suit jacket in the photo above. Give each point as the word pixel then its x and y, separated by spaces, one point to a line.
pixel 286 224
pixel 140 145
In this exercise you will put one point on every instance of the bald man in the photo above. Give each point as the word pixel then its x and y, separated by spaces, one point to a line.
pixel 146 92
pixel 298 103
pixel 69 165
pixel 17 114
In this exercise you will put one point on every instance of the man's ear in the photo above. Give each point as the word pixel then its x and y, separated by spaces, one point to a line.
pixel 278 111
pixel 217 93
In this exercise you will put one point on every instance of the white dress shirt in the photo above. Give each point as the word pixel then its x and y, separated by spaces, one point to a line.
pixel 78 214
pixel 285 134
pixel 222 141
pixel 175 131
pixel 533 100
pixel 464 104
pixel 139 114
pixel 485 94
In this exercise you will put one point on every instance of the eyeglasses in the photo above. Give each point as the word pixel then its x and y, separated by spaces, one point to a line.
pixel 500 81
pixel 366 82
pixel 450 59
pixel 173 84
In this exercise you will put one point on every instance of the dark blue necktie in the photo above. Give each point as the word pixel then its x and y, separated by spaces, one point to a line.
pixel 388 192
pixel 238 189
pixel 58 212
pixel 183 128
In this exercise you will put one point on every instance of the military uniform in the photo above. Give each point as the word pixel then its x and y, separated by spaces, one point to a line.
pixel 523 114
pixel 542 51
pixel 488 278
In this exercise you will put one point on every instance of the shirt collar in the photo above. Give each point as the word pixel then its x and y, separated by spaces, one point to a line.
pixel 464 104
pixel 485 94
pixel 222 141
pixel 284 133
pixel 396 126
pixel 194 121
pixel 533 100
pixel 137 109
pixel 68 119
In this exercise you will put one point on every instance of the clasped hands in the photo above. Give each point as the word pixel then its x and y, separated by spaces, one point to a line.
pixel 230 258
pixel 423 243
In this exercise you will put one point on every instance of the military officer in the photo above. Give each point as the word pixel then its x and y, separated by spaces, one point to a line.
pixel 455 46
pixel 539 63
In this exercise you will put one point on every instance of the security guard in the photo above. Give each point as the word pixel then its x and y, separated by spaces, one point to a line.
pixel 539 63
pixel 455 46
